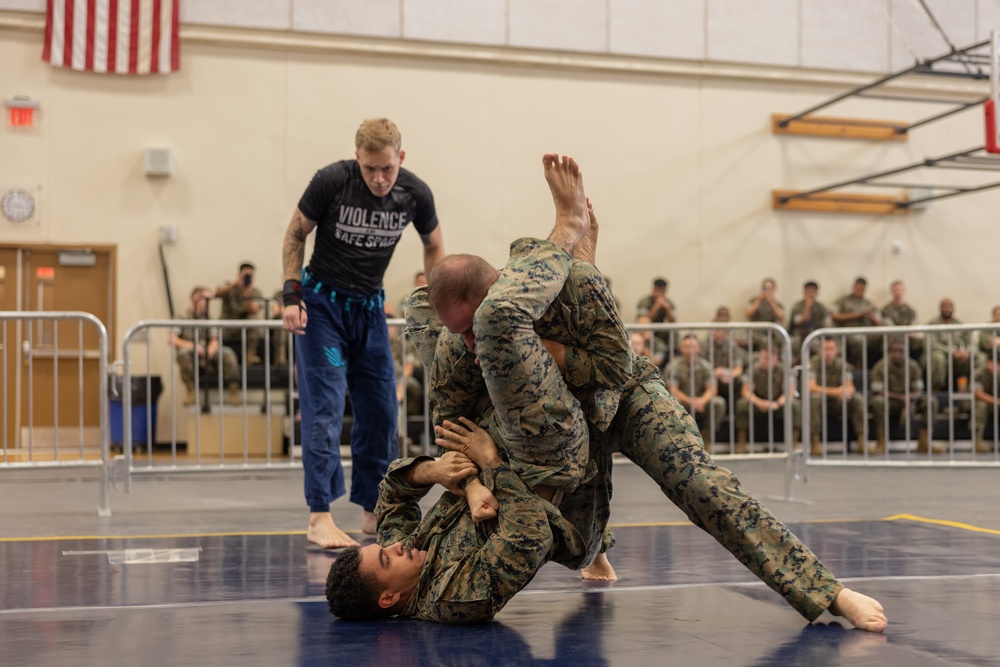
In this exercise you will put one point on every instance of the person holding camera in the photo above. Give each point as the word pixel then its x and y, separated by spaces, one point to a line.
pixel 242 301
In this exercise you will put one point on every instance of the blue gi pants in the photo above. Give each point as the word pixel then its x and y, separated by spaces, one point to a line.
pixel 345 347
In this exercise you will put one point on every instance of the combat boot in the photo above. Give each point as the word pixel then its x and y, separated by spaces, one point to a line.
pixel 233 394
pixel 982 446
pixel 924 445
pixel 879 446
pixel 706 439
pixel 817 447
pixel 191 398
pixel 741 442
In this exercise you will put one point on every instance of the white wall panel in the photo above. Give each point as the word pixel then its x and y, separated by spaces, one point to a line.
pixel 845 35
pixel 764 31
pixel 23 5
pixel 914 30
pixel 987 18
pixel 370 18
pixel 474 22
pixel 269 14
pixel 658 29
pixel 571 25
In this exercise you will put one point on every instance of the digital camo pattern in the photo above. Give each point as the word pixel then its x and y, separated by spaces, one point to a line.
pixel 473 570
pixel 654 431
pixel 893 378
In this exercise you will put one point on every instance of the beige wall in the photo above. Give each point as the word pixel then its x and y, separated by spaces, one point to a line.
pixel 679 168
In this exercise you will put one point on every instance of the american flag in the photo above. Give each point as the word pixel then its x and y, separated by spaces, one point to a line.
pixel 118 36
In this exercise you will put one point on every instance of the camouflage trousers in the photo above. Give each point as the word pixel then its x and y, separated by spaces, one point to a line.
pixel 208 371
pixel 536 416
pixel 898 410
pixel 659 436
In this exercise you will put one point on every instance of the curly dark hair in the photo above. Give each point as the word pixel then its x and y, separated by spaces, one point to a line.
pixel 351 595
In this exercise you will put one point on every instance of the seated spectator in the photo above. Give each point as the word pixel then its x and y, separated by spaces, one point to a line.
pixel 691 382
pixel 987 402
pixel 242 301
pixel 726 356
pixel 657 351
pixel 900 314
pixel 767 388
pixel 278 337
pixel 658 308
pixel 988 340
pixel 807 315
pixel 765 308
pixel 900 380
pixel 949 350
pixel 854 310
pixel 198 351
pixel 831 392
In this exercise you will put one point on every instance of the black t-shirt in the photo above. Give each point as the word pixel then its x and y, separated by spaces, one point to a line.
pixel 356 232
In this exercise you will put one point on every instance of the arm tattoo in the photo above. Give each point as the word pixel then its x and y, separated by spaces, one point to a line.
pixel 294 248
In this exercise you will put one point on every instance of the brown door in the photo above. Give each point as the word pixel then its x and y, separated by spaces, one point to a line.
pixel 59 361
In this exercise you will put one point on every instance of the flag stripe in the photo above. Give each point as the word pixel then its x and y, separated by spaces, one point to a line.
pixel 88 61
pixel 122 36
pixel 112 34
pixel 100 63
pixel 67 55
pixel 47 47
pixel 154 41
pixel 175 37
pixel 133 38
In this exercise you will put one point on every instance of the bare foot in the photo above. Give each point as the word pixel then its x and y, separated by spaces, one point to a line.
pixel 599 570
pixel 324 532
pixel 861 611
pixel 586 248
pixel 482 503
pixel 562 173
pixel 368 524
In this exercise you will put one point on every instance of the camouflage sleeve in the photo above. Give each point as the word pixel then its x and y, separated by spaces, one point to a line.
pixel 604 359
pixel 476 588
pixel 397 511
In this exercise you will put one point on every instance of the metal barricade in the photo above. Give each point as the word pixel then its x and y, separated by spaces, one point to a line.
pixel 226 430
pixel 59 431
pixel 739 338
pixel 951 387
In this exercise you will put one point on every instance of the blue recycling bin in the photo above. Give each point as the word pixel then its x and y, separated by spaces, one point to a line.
pixel 143 416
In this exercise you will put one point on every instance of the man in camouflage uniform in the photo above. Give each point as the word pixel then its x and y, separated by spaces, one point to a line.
pixel 659 308
pixel 987 402
pixel 831 392
pixel 691 382
pixel 900 314
pixel 989 341
pixel 901 381
pixel 724 350
pixel 806 316
pixel 242 301
pixel 198 351
pixel 953 346
pixel 766 389
pixel 854 310
pixel 765 308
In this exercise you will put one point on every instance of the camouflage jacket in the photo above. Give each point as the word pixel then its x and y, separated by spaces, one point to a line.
pixel 599 359
pixel 897 376
pixel 472 570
